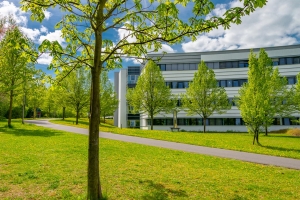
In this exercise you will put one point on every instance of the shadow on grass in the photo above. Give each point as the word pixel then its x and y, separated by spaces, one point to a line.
pixel 26 132
pixel 280 148
pixel 158 191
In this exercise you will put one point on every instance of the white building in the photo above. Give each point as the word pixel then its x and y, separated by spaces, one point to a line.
pixel 230 67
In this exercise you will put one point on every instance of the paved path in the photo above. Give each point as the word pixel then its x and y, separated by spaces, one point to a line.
pixel 249 157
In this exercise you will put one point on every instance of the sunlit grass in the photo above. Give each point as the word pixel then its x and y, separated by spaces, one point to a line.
pixel 274 144
pixel 39 163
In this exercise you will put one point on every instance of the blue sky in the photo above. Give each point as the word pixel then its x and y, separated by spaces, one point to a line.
pixel 276 24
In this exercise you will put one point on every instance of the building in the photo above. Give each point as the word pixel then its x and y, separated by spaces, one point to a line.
pixel 230 67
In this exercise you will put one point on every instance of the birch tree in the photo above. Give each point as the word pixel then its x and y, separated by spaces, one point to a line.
pixel 204 96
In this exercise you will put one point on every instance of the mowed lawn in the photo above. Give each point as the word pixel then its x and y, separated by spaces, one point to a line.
pixel 274 144
pixel 39 163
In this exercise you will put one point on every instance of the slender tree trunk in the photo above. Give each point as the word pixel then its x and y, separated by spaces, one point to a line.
pixel 266 131
pixel 49 111
pixel 151 116
pixel 254 137
pixel 23 110
pixel 104 118
pixel 34 112
pixel 10 108
pixel 77 114
pixel 94 185
pixel 64 111
pixel 204 124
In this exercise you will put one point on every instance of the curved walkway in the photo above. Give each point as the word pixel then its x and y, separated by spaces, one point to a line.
pixel 238 155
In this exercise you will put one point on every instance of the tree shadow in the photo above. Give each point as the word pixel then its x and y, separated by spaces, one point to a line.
pixel 280 148
pixel 26 132
pixel 158 191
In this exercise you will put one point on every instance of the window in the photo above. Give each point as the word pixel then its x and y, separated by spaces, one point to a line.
pixel 222 65
pixel 162 67
pixel 235 64
pixel 228 65
pixel 216 65
pixel 168 67
pixel 210 65
pixel 186 84
pixel 223 83
pixel 229 83
pixel 212 122
pixel 168 84
pixel 296 60
pixel 219 121
pixel 291 80
pixel 282 61
pixel 193 66
pixel 238 121
pixel 180 67
pixel 186 66
pixel 174 84
pixel 174 67
pixel 180 85
pixel 235 83
pixel 243 63
pixel 289 61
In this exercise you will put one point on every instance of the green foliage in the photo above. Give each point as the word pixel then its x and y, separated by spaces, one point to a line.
pixel 108 98
pixel 151 95
pixel 204 97
pixel 260 100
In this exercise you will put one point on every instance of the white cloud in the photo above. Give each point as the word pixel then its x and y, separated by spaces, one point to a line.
pixel 31 33
pixel 275 24
pixel 45 59
pixel 47 14
pixel 52 36
pixel 43 29
pixel 7 8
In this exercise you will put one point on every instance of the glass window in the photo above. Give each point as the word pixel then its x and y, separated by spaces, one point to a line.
pixel 210 65
pixel 174 84
pixel 229 83
pixel 291 80
pixel 282 61
pixel 193 66
pixel 211 122
pixel 186 84
pixel 235 64
pixel 180 85
pixel 186 66
pixel 216 65
pixel 162 67
pixel 174 67
pixel 168 84
pixel 229 121
pixel 223 83
pixel 286 121
pixel 228 65
pixel 296 60
pixel 222 65
pixel 180 121
pixel 238 121
pixel 219 121
pixel 180 67
pixel 168 67
pixel 275 63
pixel 236 83
pixel 289 61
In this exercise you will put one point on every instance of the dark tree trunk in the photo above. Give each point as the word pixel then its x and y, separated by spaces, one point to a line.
pixel 94 185
pixel 204 124
pixel 34 112
pixel 10 108
pixel 151 116
pixel 23 110
pixel 77 114
pixel 64 112
pixel 266 131
pixel 104 118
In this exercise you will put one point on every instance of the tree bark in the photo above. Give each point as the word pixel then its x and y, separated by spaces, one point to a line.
pixel 23 110
pixel 94 186
pixel 151 116
pixel 77 114
pixel 204 124
pixel 266 131
pixel 10 108
pixel 64 111
pixel 34 112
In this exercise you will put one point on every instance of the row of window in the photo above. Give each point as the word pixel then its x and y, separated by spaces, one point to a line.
pixel 222 83
pixel 226 64
pixel 216 121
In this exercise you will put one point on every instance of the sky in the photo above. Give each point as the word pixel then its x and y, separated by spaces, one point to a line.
pixel 276 24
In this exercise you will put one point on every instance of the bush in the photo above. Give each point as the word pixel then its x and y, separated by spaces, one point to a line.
pixel 294 132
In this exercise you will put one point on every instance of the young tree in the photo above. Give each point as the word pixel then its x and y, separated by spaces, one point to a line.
pixel 203 96
pixel 14 59
pixel 108 98
pixel 260 100
pixel 36 94
pixel 144 25
pixel 77 88
pixel 150 95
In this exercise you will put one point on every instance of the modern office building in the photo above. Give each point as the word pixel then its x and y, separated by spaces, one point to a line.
pixel 230 67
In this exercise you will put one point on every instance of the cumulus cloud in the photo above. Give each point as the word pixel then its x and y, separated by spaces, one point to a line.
pixel 43 29
pixel 52 36
pixel 7 8
pixel 31 33
pixel 45 59
pixel 275 24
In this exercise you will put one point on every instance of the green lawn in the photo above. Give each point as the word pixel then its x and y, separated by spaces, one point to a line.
pixel 274 144
pixel 38 163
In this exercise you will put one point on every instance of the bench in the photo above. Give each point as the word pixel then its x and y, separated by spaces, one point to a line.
pixel 173 128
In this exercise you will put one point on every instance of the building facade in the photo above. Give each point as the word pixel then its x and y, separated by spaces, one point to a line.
pixel 230 68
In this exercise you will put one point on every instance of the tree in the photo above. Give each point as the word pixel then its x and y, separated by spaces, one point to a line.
pixel 150 95
pixel 108 98
pixel 203 96
pixel 14 58
pixel 37 93
pixel 76 86
pixel 145 24
pixel 260 100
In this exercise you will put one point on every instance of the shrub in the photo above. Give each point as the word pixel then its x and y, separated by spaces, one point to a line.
pixel 294 132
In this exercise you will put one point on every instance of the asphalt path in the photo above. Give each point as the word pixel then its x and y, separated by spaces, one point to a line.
pixel 237 155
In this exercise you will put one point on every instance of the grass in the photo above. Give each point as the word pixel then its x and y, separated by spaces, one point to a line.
pixel 39 163
pixel 275 144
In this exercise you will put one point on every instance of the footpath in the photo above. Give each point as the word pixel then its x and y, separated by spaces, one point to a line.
pixel 237 155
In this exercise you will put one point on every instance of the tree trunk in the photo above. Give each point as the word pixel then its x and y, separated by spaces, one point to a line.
pixel 266 131
pixel 254 137
pixel 49 111
pixel 34 112
pixel 94 185
pixel 64 111
pixel 104 118
pixel 77 114
pixel 151 116
pixel 23 110
pixel 204 124
pixel 10 108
